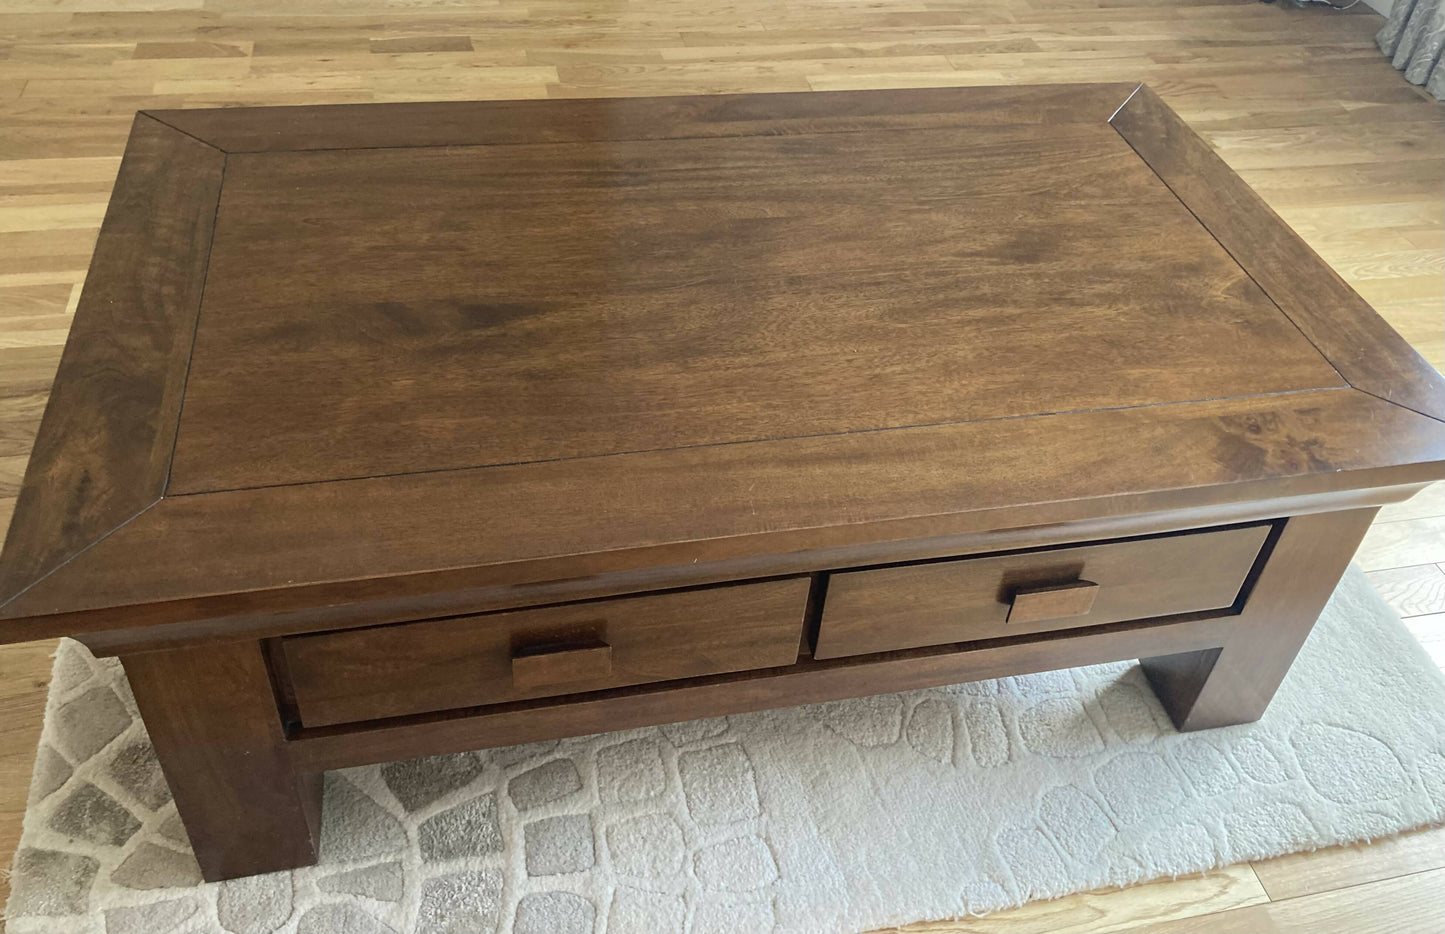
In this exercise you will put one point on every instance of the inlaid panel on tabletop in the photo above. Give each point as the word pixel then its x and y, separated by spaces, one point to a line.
pixel 519 303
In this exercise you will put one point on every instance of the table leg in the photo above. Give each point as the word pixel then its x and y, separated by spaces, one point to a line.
pixel 212 715
pixel 1235 683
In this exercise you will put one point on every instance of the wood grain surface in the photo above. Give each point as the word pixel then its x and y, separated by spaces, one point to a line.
pixel 712 342
pixel 211 711
pixel 641 117
pixel 953 601
pixel 253 552
pixel 521 303
pixel 391 671
pixel 1361 346
pixel 1234 683
pixel 809 681
pixel 105 445
pixel 1299 102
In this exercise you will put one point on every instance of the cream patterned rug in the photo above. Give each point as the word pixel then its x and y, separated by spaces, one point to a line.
pixel 832 818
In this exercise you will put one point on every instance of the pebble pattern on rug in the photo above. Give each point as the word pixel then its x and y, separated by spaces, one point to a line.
pixel 835 817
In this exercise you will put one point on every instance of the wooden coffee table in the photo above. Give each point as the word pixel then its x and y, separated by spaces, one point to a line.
pixel 395 430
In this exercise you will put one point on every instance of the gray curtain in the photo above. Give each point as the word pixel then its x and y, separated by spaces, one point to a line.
pixel 1413 37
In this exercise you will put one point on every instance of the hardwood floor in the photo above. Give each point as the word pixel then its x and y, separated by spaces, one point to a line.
pixel 1299 102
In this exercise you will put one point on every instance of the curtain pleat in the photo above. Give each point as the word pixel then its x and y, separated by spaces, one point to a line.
pixel 1413 37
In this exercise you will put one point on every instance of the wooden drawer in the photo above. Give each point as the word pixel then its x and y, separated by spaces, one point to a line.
pixel 1061 588
pixel 389 671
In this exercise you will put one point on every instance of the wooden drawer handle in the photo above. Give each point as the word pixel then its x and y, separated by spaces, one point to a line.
pixel 551 665
pixel 1055 601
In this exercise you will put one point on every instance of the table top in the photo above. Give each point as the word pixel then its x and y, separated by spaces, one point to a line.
pixel 322 347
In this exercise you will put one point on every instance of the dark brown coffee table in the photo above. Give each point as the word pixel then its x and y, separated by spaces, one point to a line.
pixel 404 429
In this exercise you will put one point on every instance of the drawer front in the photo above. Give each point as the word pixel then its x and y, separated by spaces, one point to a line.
pixel 389 671
pixel 1006 595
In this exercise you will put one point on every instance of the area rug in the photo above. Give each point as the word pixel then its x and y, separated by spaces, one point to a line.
pixel 835 817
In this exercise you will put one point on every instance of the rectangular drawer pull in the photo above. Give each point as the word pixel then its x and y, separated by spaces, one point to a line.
pixel 1056 601
pixel 546 666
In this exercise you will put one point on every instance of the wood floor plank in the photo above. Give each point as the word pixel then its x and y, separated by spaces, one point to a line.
pixel 24 680
pixel 1412 591
pixel 191 50
pixel 29 301
pixel 1117 909
pixel 1340 867
pixel 1412 904
pixel 1428 630
pixel 1403 543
